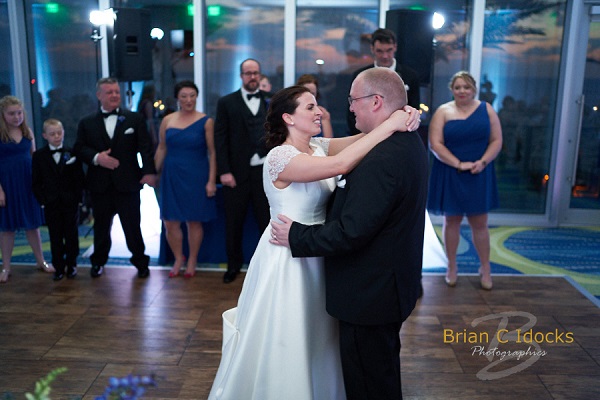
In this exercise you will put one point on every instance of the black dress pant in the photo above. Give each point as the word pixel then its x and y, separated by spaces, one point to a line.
pixel 105 206
pixel 63 221
pixel 236 201
pixel 371 361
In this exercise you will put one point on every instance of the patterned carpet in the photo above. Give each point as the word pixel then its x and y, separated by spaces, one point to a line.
pixel 574 252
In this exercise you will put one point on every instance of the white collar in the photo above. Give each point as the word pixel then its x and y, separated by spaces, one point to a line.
pixel 392 67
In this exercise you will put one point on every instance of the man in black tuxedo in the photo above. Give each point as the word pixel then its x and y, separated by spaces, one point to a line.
pixel 372 242
pixel 383 48
pixel 108 141
pixel 57 183
pixel 240 148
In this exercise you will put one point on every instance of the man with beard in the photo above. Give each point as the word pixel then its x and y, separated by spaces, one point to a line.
pixel 240 148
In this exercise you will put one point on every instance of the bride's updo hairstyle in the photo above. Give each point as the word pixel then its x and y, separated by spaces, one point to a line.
pixel 284 101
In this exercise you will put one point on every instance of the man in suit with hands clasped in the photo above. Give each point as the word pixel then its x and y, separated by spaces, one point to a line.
pixel 372 242
pixel 241 150
pixel 109 141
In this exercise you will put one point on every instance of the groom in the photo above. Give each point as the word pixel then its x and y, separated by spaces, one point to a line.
pixel 372 242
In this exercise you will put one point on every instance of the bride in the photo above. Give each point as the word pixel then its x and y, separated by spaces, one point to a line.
pixel 279 342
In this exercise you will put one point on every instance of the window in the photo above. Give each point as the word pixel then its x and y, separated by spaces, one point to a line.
pixel 6 67
pixel 331 44
pixel 519 77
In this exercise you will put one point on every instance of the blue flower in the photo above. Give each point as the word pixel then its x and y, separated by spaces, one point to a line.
pixel 66 156
pixel 127 388
pixel 120 119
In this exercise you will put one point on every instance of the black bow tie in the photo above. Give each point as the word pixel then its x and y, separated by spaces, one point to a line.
pixel 57 151
pixel 251 95
pixel 107 114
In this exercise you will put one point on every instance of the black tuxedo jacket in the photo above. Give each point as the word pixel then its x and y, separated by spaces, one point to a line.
pixel 233 144
pixel 130 137
pixel 413 93
pixel 57 184
pixel 373 236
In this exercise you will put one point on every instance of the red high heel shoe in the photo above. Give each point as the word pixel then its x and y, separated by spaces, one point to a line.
pixel 189 275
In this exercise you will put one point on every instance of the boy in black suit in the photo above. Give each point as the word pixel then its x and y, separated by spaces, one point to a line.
pixel 58 186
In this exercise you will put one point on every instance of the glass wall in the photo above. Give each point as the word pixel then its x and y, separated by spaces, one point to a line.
pixel 236 31
pixel 522 47
pixel 519 77
pixel 63 63
pixel 6 67
pixel 450 51
pixel 331 44
pixel 585 193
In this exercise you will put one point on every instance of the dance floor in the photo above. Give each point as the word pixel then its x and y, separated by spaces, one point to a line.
pixel 531 337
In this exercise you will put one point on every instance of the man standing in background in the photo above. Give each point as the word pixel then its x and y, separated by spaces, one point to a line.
pixel 240 148
pixel 383 48
pixel 108 141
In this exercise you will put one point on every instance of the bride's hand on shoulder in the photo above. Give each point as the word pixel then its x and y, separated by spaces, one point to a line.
pixel 414 118
pixel 397 121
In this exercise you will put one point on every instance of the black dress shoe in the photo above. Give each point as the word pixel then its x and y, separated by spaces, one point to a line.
pixel 71 272
pixel 230 276
pixel 58 276
pixel 143 272
pixel 97 270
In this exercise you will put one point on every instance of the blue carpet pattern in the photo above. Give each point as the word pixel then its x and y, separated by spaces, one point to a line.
pixel 574 252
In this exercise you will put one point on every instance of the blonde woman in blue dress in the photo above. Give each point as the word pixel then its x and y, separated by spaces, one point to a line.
pixel 465 136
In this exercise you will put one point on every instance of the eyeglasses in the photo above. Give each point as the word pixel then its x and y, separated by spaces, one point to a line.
pixel 352 99
pixel 253 73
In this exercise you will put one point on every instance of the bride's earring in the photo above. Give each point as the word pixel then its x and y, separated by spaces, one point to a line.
pixel 288 119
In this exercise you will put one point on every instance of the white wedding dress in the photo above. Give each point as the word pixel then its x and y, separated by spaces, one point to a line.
pixel 279 343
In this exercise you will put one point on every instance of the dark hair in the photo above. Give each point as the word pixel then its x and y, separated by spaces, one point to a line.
pixel 384 36
pixel 282 102
pixel 184 84
pixel 306 79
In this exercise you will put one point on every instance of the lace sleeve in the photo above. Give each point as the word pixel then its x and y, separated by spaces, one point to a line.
pixel 323 143
pixel 278 158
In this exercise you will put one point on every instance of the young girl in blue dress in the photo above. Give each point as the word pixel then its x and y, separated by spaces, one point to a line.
pixel 18 207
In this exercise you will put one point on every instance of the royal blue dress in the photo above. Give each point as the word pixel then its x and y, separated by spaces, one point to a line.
pixel 453 193
pixel 184 176
pixel 22 211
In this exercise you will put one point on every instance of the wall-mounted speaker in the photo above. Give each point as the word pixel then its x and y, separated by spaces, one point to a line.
pixel 414 33
pixel 130 45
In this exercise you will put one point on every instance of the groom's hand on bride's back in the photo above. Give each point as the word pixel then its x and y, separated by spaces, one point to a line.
pixel 280 231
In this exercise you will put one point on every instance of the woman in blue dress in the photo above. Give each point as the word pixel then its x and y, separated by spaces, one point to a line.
pixel 185 158
pixel 18 207
pixel 465 136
